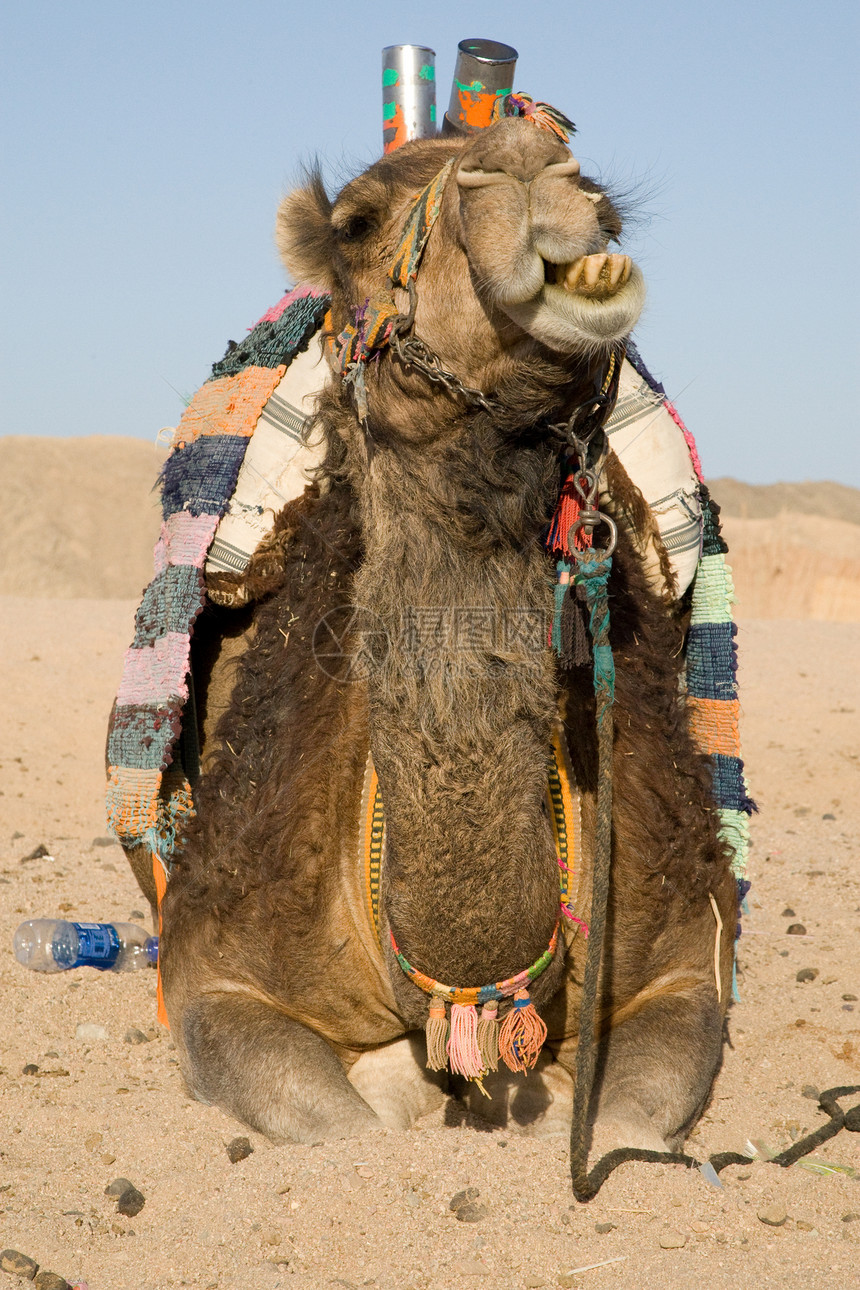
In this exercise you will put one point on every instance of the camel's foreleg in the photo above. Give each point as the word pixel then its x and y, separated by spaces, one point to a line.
pixel 655 1071
pixel 269 1071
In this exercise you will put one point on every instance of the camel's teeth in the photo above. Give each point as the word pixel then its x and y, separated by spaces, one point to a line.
pixel 596 275
pixel 592 269
pixel 571 273
pixel 619 270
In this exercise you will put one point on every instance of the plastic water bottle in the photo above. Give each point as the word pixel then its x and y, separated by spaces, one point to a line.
pixel 53 945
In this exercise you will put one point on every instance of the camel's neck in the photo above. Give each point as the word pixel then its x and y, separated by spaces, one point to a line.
pixel 462 694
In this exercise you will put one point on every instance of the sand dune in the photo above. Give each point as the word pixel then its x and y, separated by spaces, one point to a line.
pixel 79 519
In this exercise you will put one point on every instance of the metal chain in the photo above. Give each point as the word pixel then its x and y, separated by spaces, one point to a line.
pixel 414 353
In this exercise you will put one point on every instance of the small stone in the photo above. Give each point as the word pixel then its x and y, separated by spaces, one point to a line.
pixel 603 1228
pixel 92 1141
pixel 119 1187
pixel 104 842
pixel 743 1177
pixel 51 1281
pixel 806 974
pixel 773 1215
pixel 828 816
pixel 850 998
pixel 566 1280
pixel 108 1159
pixel 463 1198
pixel 700 1228
pixel 136 915
pixel 788 913
pixel 672 1240
pixel 810 1091
pixel 131 1203
pixel 90 1032
pixel 534 1282
pixel 471 1268
pixel 239 1149
pixel 472 1213
pixel 19 1264
pixel 135 1036
pixel 804 1225
pixel 796 929
pixel 851 1217
pixel 30 1069
pixel 40 852
pixel 364 1171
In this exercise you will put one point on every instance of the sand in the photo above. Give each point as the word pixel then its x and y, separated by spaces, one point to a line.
pixel 375 1212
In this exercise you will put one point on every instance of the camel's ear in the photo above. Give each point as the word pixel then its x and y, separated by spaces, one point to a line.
pixel 303 235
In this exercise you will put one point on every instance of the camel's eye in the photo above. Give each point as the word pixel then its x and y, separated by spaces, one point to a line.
pixel 355 228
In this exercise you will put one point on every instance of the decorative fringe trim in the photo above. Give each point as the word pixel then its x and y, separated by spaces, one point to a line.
pixel 488 1036
pixel 464 1056
pixel 522 1034
pixel 436 1031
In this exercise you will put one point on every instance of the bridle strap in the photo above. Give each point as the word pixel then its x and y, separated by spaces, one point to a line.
pixel 378 319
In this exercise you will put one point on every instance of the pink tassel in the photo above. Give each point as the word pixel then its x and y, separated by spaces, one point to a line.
pixel 522 1035
pixel 464 1056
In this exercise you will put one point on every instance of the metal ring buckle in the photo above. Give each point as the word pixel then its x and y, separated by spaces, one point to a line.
pixel 588 520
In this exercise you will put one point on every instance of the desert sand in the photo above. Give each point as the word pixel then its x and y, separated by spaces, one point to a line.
pixel 375 1211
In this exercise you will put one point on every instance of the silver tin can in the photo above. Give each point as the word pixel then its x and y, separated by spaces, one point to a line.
pixel 408 94
pixel 484 72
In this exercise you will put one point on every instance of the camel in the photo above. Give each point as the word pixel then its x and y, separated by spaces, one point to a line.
pixel 422 539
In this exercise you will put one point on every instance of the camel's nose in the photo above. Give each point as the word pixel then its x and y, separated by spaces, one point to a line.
pixel 514 150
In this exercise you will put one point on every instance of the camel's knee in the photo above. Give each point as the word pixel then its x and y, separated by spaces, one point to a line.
pixel 269 1071
pixel 656 1069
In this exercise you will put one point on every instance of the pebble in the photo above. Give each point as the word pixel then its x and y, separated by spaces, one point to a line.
pixel 796 929
pixel 804 1225
pixel 238 1149
pixel 135 1036
pixel 773 1215
pixel 788 913
pixel 119 1187
pixel 51 1281
pixel 471 1213
pixel 850 998
pixel 851 1217
pixel 30 1069
pixel 672 1240
pixel 810 1091
pixel 131 1203
pixel 806 974
pixel 603 1228
pixel 471 1268
pixel 19 1264
pixel 463 1197
pixel 39 853
pixel 534 1282
pixel 90 1032
pixel 92 1141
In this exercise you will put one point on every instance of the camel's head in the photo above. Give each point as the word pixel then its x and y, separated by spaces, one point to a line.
pixel 517 266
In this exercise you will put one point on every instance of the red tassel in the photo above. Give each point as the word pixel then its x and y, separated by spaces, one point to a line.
pixel 566 514
pixel 522 1035
pixel 464 1056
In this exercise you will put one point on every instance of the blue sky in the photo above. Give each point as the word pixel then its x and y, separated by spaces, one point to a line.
pixel 145 149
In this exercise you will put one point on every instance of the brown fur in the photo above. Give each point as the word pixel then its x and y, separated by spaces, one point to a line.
pixel 431 524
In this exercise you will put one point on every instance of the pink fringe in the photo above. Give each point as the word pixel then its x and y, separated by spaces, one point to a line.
pixel 688 439
pixel 463 1052
pixel 157 672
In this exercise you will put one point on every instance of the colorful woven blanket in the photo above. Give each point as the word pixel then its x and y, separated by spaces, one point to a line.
pixel 149 795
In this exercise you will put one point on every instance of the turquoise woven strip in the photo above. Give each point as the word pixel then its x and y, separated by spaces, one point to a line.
pixel 713 591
